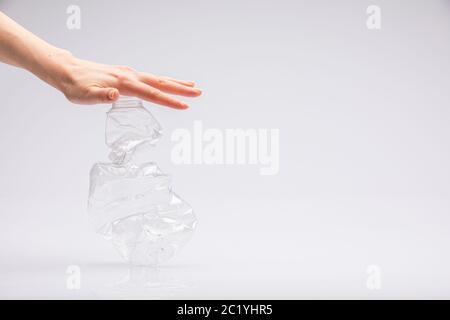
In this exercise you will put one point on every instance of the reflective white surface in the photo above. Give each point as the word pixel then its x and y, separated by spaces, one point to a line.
pixel 311 259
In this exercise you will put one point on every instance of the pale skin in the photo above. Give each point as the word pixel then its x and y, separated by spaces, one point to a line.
pixel 82 81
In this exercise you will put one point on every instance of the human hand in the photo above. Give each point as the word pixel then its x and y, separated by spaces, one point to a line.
pixel 86 82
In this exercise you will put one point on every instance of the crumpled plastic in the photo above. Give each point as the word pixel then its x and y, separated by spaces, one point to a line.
pixel 131 202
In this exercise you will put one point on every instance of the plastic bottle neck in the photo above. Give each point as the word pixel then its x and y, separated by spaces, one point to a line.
pixel 127 102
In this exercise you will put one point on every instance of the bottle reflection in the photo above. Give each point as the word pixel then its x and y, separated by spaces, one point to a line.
pixel 142 282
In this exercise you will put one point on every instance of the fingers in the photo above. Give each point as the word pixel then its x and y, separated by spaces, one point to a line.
pixel 101 95
pixel 183 82
pixel 169 86
pixel 148 93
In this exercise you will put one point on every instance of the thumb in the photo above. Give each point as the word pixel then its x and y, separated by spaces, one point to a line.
pixel 103 95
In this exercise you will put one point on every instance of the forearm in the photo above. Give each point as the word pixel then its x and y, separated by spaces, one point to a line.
pixel 21 48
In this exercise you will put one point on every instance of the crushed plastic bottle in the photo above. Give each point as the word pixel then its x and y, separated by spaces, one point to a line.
pixel 128 126
pixel 131 203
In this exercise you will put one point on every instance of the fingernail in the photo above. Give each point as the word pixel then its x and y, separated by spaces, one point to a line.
pixel 113 94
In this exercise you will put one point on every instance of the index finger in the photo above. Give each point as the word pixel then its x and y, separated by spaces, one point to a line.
pixel 148 93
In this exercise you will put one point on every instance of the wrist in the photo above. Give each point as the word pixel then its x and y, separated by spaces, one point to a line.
pixel 54 67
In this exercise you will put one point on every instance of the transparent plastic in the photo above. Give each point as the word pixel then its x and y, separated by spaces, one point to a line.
pixel 131 202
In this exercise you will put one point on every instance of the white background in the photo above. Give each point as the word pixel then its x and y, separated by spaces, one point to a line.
pixel 364 179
